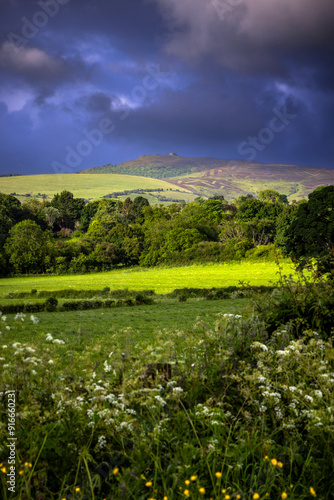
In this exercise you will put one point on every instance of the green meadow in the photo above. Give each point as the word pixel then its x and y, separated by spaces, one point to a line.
pixel 86 186
pixel 159 279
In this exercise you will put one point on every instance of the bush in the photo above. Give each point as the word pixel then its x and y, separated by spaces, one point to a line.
pixel 304 303
pixel 51 304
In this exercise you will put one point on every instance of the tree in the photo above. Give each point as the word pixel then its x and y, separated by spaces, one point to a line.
pixel 70 208
pixel 10 214
pixel 272 196
pixel 27 247
pixel 307 229
pixel 51 216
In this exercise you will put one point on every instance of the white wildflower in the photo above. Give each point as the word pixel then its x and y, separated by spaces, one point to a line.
pixel 160 400
pixel 49 337
pixel 102 442
pixel 7 327
pixel 34 319
pixel 107 368
pixel 309 398
pixel 50 362
pixel 16 345
pixel 3 318
pixel 58 341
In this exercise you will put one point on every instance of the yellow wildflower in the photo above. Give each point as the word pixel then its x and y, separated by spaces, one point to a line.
pixel 256 496
pixel 227 497
pixel 313 493
pixel 193 478
pixel 148 484
pixel 219 474
pixel 4 470
pixel 284 495
pixel 202 491
pixel 280 464
pixel 187 482
pixel 77 490
pixel 187 493
pixel 274 461
pixel 116 470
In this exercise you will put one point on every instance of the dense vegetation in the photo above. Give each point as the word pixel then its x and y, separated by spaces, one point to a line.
pixel 224 409
pixel 120 402
pixel 68 235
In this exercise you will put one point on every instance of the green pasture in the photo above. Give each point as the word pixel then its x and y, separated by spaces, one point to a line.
pixel 94 327
pixel 159 279
pixel 84 185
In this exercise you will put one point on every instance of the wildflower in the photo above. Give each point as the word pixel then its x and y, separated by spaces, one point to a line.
pixel 148 484
pixel 202 491
pixel 193 478
pixel 165 498
pixel 77 490
pixel 266 457
pixel 4 470
pixel 34 319
pixel 187 482
pixel 280 465
pixel 256 496
pixel 274 461
pixel 21 472
pixel 116 469
pixel 50 362
pixel 313 493
pixel 219 475
pixel 227 497
pixel 224 491
pixel 4 318
pixel 238 497
pixel 186 493
pixel 284 495
pixel 49 337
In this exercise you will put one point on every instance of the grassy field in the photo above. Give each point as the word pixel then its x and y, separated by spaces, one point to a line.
pixel 85 185
pixel 162 280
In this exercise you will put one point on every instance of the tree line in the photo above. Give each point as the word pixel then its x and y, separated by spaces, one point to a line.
pixel 69 235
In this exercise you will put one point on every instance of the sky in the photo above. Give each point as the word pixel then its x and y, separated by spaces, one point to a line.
pixel 86 83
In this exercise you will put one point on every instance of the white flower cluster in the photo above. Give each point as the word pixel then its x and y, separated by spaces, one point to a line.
pixel 49 338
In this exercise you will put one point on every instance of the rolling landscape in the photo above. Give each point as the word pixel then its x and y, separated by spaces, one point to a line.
pixel 166 250
pixel 168 178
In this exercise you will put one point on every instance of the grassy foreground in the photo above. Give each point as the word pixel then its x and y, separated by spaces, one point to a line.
pixel 162 280
pixel 213 411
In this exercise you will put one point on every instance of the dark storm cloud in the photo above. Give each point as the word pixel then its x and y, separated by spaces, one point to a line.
pixel 221 69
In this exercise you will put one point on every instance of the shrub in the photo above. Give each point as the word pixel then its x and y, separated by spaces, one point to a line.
pixel 303 303
pixel 51 304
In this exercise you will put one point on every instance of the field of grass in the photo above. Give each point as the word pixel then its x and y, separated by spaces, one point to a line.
pixel 84 185
pixel 161 280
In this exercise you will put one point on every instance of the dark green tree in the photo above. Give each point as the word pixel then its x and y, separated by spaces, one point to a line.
pixel 27 246
pixel 307 229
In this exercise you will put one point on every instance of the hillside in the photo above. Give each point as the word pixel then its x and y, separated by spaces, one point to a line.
pixel 232 178
pixel 93 186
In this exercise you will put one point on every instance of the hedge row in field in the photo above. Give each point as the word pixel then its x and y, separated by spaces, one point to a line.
pixel 51 304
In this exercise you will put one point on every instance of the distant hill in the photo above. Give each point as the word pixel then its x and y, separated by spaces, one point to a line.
pixel 232 178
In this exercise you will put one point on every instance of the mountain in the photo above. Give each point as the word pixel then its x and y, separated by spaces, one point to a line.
pixel 232 178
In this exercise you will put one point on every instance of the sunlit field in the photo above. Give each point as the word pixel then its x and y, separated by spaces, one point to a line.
pixel 162 280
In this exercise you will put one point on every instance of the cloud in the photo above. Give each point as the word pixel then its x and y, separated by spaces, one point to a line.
pixel 28 60
pixel 247 35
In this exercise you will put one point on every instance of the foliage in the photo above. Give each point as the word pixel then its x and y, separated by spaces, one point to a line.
pixel 303 302
pixel 204 410
pixel 27 247
pixel 307 230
